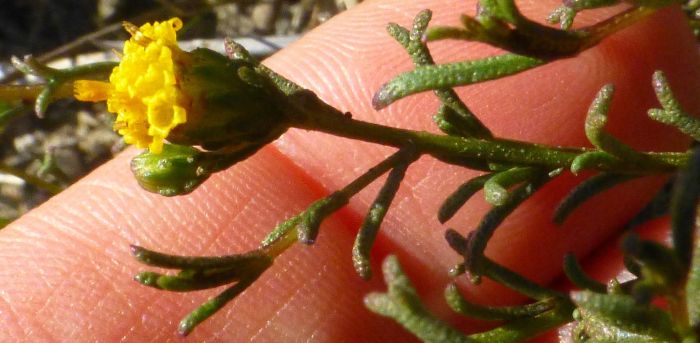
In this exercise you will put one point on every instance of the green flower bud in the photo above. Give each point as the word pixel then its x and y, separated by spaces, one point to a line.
pixel 177 170
pixel 232 106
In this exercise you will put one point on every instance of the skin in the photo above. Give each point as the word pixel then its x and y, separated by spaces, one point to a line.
pixel 67 271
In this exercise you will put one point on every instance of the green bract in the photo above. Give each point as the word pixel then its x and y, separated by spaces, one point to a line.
pixel 233 105
pixel 176 170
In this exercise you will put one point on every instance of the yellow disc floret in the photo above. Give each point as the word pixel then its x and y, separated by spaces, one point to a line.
pixel 143 90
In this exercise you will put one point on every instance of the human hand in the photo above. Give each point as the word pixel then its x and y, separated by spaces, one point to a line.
pixel 67 269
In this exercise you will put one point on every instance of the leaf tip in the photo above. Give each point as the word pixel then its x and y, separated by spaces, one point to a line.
pixel 382 98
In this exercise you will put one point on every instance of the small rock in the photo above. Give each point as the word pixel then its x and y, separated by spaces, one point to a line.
pixel 97 145
pixel 12 192
pixel 263 17
pixel 29 143
pixel 70 163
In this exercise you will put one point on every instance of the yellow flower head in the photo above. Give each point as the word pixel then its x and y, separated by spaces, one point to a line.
pixel 144 89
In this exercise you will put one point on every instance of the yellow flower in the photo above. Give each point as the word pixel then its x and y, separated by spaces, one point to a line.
pixel 191 98
pixel 144 90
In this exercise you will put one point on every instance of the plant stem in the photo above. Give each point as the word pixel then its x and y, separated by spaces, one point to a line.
pixel 285 235
pixel 31 92
pixel 313 114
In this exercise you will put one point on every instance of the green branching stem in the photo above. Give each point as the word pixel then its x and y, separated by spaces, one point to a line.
pixel 310 220
pixel 454 112
pixel 516 171
pixel 531 45
pixel 284 235
pixel 530 38
pixel 243 269
pixel 57 79
pixel 401 302
pixel 309 112
pixel 672 112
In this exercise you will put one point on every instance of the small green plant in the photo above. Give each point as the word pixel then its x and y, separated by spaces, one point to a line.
pixel 203 112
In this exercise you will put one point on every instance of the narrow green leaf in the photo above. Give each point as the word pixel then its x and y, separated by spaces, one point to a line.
pixel 484 231
pixel 592 160
pixel 213 305
pixel 157 259
pixel 516 281
pixel 586 190
pixel 496 271
pixel 280 230
pixel 496 188
pixel 578 276
pixel 595 126
pixel 445 124
pixel 522 329
pixel 44 99
pixel 460 116
pixel 189 280
pixel 460 305
pixel 657 207
pixel 459 197
pixel 451 75
pixel 310 222
pixel 399 33
pixel 450 32
pixel 368 231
